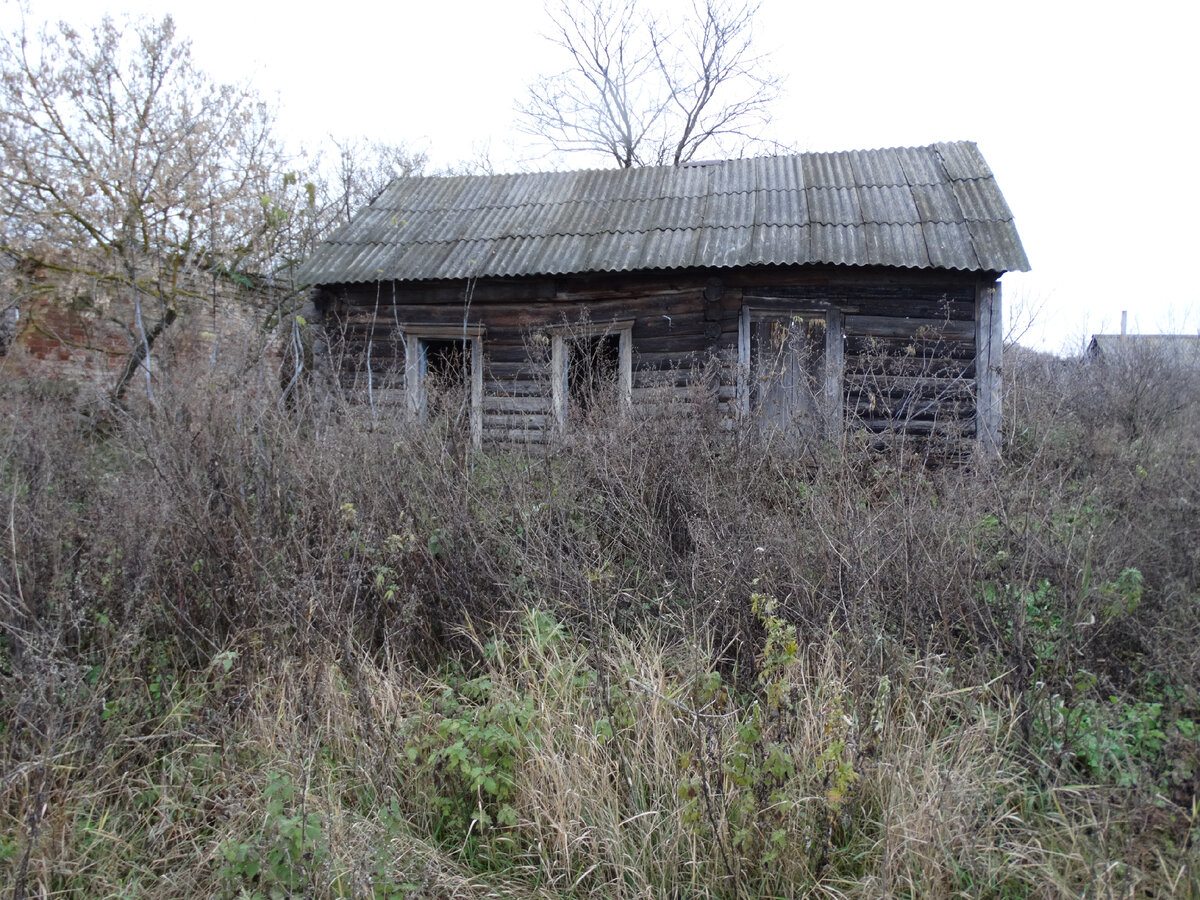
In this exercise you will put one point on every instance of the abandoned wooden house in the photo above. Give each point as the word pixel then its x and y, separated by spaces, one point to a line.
pixel 795 293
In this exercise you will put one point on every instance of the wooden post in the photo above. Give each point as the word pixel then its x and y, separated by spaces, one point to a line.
pixel 476 393
pixel 835 352
pixel 989 342
pixel 558 378
pixel 625 366
pixel 412 377
pixel 743 373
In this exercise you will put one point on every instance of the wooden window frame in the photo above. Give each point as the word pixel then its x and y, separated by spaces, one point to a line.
pixel 414 382
pixel 560 335
pixel 835 329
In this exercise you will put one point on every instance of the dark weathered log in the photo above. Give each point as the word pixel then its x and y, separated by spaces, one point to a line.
pixel 908 348
pixel 908 327
pixel 895 340
pixel 530 404
pixel 944 429
pixel 900 385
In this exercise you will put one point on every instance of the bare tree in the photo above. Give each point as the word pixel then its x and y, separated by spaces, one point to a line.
pixel 364 168
pixel 323 189
pixel 123 165
pixel 643 92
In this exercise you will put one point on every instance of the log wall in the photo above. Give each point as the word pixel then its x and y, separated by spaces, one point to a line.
pixel 910 346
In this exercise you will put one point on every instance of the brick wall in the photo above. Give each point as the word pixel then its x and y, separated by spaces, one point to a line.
pixel 84 334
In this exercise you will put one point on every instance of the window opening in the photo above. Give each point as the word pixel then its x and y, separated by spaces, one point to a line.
pixel 445 379
pixel 591 367
pixel 443 375
pixel 593 364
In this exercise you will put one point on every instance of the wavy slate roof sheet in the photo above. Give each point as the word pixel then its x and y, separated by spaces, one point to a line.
pixel 912 207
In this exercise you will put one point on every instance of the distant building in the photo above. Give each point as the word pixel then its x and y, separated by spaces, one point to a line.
pixel 1177 350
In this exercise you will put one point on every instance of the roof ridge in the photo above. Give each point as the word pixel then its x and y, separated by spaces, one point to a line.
pixel 708 164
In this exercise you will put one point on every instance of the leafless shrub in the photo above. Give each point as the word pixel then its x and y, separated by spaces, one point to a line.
pixel 1142 387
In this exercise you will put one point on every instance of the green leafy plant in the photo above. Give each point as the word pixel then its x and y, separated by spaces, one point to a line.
pixel 285 858
pixel 471 754
pixel 784 794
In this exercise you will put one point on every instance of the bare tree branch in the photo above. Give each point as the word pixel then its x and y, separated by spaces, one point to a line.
pixel 642 92
pixel 363 169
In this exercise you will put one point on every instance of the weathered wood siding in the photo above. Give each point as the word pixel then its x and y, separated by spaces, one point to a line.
pixel 909 348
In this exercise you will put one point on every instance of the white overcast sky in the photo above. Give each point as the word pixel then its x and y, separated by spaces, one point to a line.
pixel 1086 112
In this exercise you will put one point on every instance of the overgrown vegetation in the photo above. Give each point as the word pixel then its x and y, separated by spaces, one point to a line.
pixel 256 649
pixel 136 192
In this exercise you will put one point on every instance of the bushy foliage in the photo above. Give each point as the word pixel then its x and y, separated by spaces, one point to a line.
pixel 251 647
pixel 137 191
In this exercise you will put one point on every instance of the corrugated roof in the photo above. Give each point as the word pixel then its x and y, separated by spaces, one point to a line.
pixel 912 207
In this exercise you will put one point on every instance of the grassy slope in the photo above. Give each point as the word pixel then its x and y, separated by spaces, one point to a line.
pixel 253 652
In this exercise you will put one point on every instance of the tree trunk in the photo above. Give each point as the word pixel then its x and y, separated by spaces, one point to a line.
pixel 139 353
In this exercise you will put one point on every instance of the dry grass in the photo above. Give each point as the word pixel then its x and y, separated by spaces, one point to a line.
pixel 249 647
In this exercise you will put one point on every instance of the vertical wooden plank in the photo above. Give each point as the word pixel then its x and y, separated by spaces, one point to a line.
pixel 625 350
pixel 743 375
pixel 412 375
pixel 558 378
pixel 989 340
pixel 476 393
pixel 835 363
pixel 996 351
